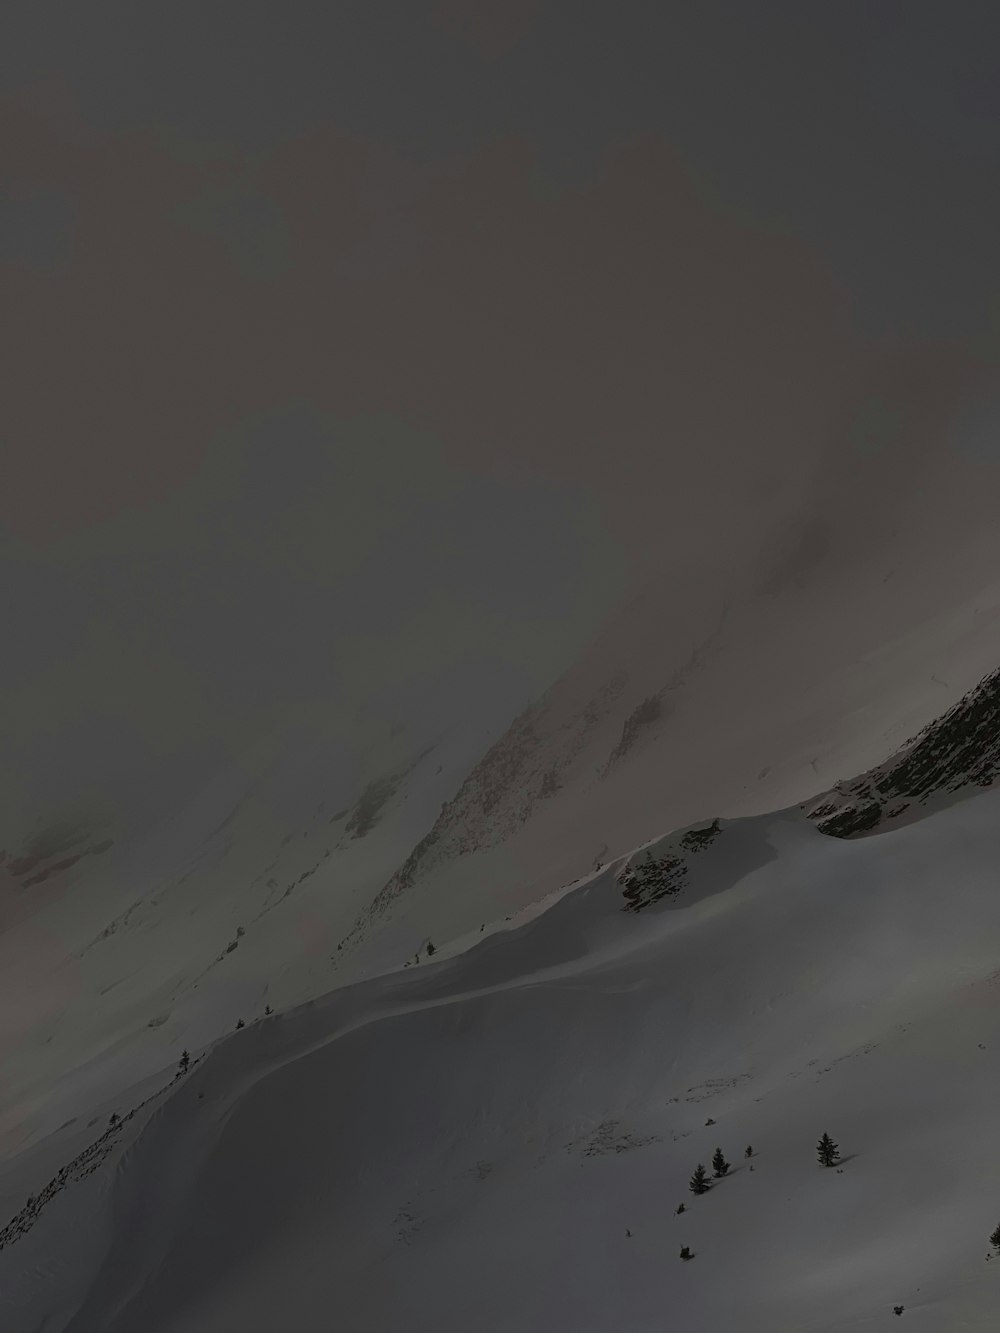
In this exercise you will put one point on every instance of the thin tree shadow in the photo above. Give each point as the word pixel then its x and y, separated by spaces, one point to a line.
pixel 717 1180
pixel 842 1161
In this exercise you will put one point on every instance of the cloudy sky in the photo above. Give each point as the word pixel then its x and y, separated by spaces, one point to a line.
pixel 360 356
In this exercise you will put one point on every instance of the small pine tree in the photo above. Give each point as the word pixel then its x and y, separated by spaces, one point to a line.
pixel 430 949
pixel 681 1208
pixel 268 1009
pixel 719 1164
pixel 185 1060
pixel 995 1239
pixel 827 1151
pixel 240 1024
pixel 686 1252
pixel 699 1181
pixel 748 1150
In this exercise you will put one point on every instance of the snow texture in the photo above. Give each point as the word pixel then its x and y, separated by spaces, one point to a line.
pixel 500 1140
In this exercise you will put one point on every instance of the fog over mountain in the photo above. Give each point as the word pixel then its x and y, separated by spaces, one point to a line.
pixel 351 349
pixel 450 447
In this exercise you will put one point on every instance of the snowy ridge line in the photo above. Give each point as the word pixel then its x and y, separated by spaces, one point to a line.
pixel 517 774
pixel 644 882
pixel 957 751
pixel 85 1163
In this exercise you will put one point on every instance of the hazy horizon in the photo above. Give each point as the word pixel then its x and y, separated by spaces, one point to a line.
pixel 361 359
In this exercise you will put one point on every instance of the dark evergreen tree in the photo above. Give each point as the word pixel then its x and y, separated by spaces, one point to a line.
pixel 680 1209
pixel 686 1252
pixel 268 1009
pixel 184 1062
pixel 827 1151
pixel 240 1024
pixel 748 1150
pixel 699 1181
pixel 719 1164
pixel 995 1239
pixel 430 949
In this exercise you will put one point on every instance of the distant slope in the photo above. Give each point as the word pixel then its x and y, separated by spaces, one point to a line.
pixel 112 959
pixel 956 754
pixel 744 703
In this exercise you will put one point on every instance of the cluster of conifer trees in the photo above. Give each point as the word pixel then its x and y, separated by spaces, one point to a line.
pixel 827 1152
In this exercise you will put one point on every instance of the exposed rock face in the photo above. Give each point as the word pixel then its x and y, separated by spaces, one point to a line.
pixel 647 879
pixel 525 766
pixel 533 759
pixel 959 750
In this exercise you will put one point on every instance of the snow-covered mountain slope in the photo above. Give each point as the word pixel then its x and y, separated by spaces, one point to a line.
pixel 501 1139
pixel 714 692
pixel 947 760
pixel 295 872
pixel 951 754
pixel 744 703
pixel 109 966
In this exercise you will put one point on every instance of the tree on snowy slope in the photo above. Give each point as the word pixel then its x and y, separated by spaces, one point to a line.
pixel 719 1164
pixel 699 1181
pixel 995 1239
pixel 827 1151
